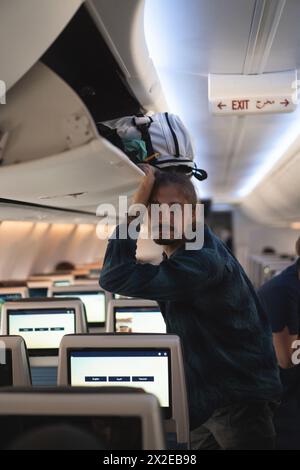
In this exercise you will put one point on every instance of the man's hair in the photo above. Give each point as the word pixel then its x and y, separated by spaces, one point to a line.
pixel 171 178
pixel 298 247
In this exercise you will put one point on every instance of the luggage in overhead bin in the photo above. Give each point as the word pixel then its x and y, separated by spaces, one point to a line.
pixel 160 140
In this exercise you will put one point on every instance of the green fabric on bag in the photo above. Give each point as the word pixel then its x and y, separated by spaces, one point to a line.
pixel 136 146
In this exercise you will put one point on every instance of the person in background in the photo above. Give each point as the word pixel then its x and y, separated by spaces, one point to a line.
pixel 268 250
pixel 208 301
pixel 64 266
pixel 281 299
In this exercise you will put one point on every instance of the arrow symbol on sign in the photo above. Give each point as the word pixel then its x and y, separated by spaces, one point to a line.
pixel 285 102
pixel 221 105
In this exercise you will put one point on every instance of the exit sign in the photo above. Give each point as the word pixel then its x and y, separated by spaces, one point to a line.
pixel 253 94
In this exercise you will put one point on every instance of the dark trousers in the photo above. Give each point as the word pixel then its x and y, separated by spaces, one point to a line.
pixel 287 423
pixel 247 426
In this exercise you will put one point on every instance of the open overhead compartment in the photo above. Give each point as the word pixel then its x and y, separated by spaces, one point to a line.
pixel 53 154
pixel 27 29
pixel 126 40
pixel 83 59
pixel 43 116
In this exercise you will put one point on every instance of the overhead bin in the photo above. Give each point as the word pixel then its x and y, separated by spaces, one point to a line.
pixel 127 43
pixel 82 58
pixel 19 212
pixel 43 116
pixel 27 29
pixel 50 151
pixel 80 178
pixel 53 155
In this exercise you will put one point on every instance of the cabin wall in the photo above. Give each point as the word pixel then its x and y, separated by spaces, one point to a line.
pixel 251 237
pixel 27 248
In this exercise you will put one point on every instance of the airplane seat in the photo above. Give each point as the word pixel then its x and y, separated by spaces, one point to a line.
pixel 42 323
pixel 94 298
pixel 113 418
pixel 12 293
pixel 13 283
pixel 55 279
pixel 57 437
pixel 134 316
pixel 39 288
pixel 264 267
pixel 153 362
pixel 85 281
pixel 94 273
pixel 14 362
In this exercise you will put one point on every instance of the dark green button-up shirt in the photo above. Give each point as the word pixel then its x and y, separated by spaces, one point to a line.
pixel 208 301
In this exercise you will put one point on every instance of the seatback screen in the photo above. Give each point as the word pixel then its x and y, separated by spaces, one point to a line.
pixel 94 304
pixel 138 320
pixel 148 369
pixel 42 329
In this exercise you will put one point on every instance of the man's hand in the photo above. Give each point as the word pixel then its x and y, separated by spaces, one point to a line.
pixel 142 195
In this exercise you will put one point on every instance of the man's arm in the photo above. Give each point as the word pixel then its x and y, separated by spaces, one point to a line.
pixel 183 273
pixel 173 279
pixel 282 306
pixel 283 347
pixel 289 331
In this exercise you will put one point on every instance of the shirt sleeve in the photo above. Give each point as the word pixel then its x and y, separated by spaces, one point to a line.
pixel 173 279
pixel 282 306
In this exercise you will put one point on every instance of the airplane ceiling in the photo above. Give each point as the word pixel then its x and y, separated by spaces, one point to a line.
pixel 188 40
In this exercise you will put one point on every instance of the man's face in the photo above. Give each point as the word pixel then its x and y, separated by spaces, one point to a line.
pixel 168 220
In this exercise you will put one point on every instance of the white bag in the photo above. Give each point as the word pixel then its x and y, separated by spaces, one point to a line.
pixel 160 140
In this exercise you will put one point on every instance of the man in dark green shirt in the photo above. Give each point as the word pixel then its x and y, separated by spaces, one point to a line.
pixel 207 300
